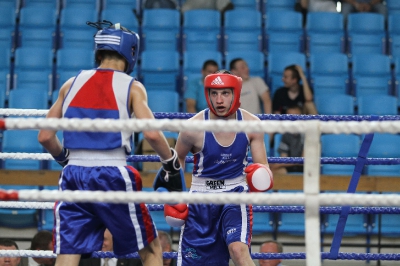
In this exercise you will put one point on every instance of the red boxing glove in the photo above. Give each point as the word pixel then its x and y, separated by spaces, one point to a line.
pixel 259 177
pixel 176 215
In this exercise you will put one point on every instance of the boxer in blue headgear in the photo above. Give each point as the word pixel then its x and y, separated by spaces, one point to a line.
pixel 95 161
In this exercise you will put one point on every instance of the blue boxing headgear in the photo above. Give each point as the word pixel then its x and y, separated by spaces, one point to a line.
pixel 119 39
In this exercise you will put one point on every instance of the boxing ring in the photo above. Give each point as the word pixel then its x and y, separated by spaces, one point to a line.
pixel 313 201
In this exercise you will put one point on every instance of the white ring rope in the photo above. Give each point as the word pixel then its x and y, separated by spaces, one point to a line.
pixel 25 156
pixel 28 253
pixel 22 112
pixel 26 205
pixel 326 199
pixel 131 125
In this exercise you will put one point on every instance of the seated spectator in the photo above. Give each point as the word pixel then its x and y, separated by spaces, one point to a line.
pixel 291 145
pixel 194 94
pixel 108 246
pixel 171 4
pixel 8 244
pixel 43 240
pixel 353 6
pixel 293 93
pixel 271 246
pixel 254 90
pixel 221 5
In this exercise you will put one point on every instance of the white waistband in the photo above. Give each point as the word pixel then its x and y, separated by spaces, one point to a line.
pixel 213 185
pixel 91 158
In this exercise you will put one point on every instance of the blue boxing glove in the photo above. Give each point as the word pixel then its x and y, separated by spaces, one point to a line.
pixel 170 176
pixel 62 158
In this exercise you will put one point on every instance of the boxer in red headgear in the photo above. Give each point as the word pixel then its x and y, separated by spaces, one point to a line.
pixel 220 165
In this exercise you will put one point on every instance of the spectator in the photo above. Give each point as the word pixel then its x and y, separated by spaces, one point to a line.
pixel 271 246
pixel 8 244
pixel 43 240
pixel 108 246
pixel 194 95
pixel 293 93
pixel 291 145
pixel 353 6
pixel 254 90
pixel 166 245
pixel 320 5
pixel 171 4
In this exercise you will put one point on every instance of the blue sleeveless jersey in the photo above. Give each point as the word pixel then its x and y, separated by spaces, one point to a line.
pixel 221 162
pixel 98 93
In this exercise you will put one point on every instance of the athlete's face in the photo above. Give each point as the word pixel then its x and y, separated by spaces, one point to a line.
pixel 107 242
pixel 221 99
pixel 9 261
pixel 288 79
pixel 269 248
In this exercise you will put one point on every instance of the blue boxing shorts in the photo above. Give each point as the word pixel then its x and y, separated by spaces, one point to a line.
pixel 79 227
pixel 210 228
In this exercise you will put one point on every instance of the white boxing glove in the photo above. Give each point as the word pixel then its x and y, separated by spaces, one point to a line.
pixel 259 177
pixel 176 215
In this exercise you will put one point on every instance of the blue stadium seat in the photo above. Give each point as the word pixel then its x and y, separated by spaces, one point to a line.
pixel 55 5
pixel 159 70
pixel 339 145
pixel 384 145
pixel 21 141
pixel 77 38
pixel 325 32
pixel 284 32
pixel 387 223
pixel 10 4
pixel 323 85
pixel 7 31
pixel 394 34
pixel 332 104
pixel 193 61
pixel 37 27
pixel 70 58
pixel 242 30
pixel 291 223
pixel 366 33
pixel 329 64
pixel 124 16
pixel 163 101
pixel 201 30
pixel 27 98
pixel 7 38
pixel 160 29
pixel 5 60
pixel 18 218
pixel 277 62
pixel 377 105
pixel 371 73
pixel 393 7
pixel 277 140
pixel 254 59
pixel 3 89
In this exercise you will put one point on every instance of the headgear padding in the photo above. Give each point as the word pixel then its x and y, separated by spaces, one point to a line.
pixel 121 40
pixel 223 81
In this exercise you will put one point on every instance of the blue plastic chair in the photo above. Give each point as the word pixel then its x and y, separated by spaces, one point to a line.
pixel 27 98
pixel 18 218
pixel 21 141
pixel 75 17
pixel 284 32
pixel 384 145
pixel 201 30
pixel 160 29
pixel 277 62
pixel 41 3
pixel 242 30
pixel 366 33
pixel 277 141
pixel 77 38
pixel 329 64
pixel 332 85
pixel 82 4
pixel 193 61
pixel 121 4
pixel 324 32
pixel 254 59
pixel 377 105
pixel 339 145
pixel 393 7
pixel 332 104
pixel 291 223
pixel 246 4
pixel 278 5
pixel 372 86
pixel 70 58
pixel 159 70
pixel 7 38
pixel 163 101
pixel 3 89
pixel 393 32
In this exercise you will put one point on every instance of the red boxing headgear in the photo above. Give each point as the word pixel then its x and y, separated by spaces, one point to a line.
pixel 223 80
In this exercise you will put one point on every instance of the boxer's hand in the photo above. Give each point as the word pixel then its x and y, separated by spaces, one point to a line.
pixel 62 158
pixel 259 177
pixel 176 215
